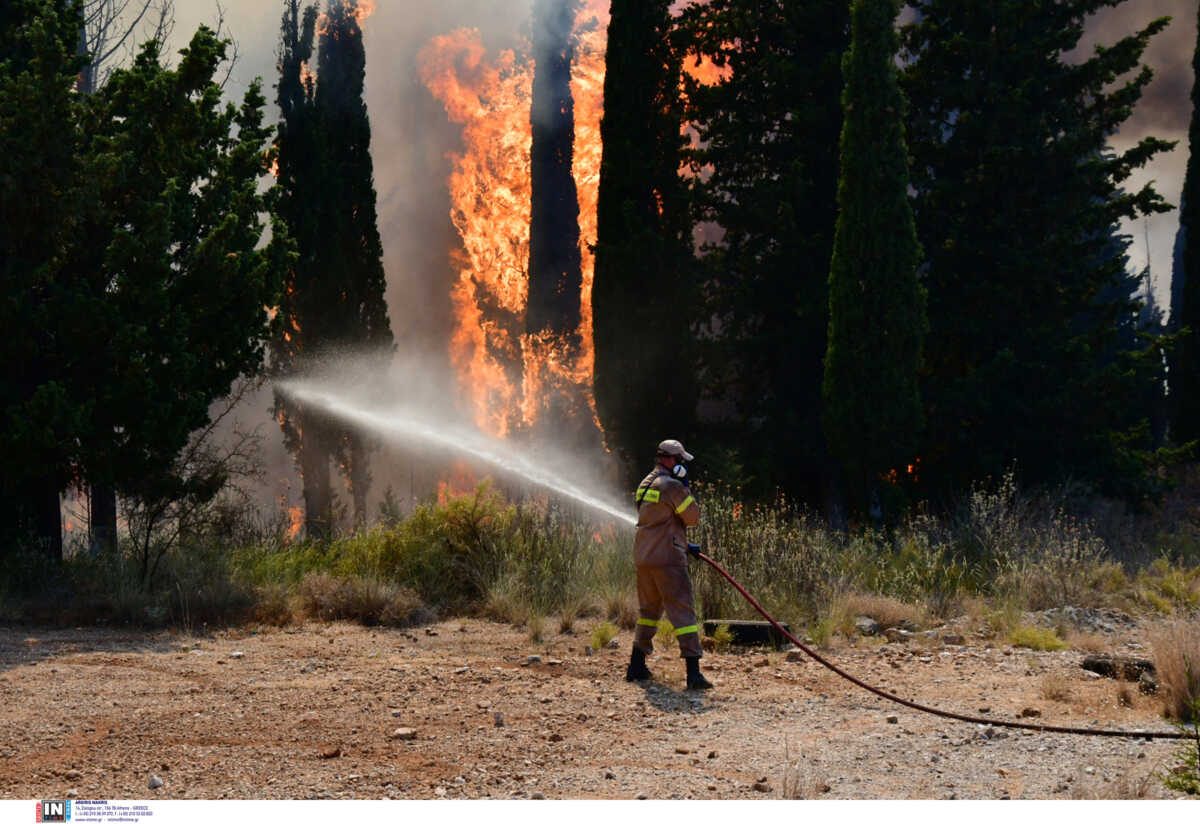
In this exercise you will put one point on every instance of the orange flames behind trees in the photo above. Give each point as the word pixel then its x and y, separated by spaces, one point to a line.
pixel 504 372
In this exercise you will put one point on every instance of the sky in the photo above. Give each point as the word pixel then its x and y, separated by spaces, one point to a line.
pixel 410 139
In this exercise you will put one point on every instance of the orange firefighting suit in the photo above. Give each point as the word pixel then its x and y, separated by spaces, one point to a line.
pixel 665 509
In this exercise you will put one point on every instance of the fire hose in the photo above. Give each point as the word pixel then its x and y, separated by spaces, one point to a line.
pixel 1020 725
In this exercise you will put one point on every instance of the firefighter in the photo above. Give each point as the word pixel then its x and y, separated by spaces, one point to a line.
pixel 666 509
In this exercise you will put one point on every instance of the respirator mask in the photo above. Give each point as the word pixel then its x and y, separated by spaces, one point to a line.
pixel 679 472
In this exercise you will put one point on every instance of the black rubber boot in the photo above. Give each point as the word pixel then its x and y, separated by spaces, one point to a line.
pixel 696 681
pixel 637 667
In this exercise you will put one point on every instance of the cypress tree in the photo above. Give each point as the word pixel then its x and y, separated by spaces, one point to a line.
pixel 1185 285
pixel 642 296
pixel 765 174
pixel 872 410
pixel 333 302
pixel 352 252
pixel 1016 204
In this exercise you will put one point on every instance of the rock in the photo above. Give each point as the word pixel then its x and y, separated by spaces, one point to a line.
pixel 795 654
pixel 553 662
pixel 682 750
pixel 533 659
pixel 237 653
pixel 554 737
pixel 984 710
pixel 331 752
pixel 762 787
pixel 1117 666
pixel 893 719
pixel 953 639
pixel 587 650
pixel 155 782
pixel 538 796
pixel 610 775
pixel 440 792
pixel 613 644
pixel 866 625
pixel 642 796
pixel 897 635
pixel 498 717
pixel 397 713
pixel 403 734
pixel 1029 712
pixel 461 670
pixel 1147 683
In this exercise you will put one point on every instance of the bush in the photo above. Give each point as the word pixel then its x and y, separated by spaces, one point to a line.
pixel 1046 640
pixel 366 600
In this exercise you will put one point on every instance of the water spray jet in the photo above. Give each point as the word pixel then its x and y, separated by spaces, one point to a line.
pixel 403 425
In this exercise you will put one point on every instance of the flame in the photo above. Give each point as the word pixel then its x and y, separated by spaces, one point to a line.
pixel 704 71
pixel 460 483
pixel 296 515
pixel 505 373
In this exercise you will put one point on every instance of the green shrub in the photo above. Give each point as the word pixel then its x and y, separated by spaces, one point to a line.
pixel 1046 640
pixel 602 633
pixel 722 637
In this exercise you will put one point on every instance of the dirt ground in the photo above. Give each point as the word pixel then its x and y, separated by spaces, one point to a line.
pixel 458 710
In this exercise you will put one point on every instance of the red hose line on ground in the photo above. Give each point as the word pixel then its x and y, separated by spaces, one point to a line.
pixel 932 710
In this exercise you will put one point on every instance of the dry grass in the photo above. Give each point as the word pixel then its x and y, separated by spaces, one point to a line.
pixel 1124 787
pixel 622 610
pixel 1176 648
pixel 887 612
pixel 537 628
pixel 1054 686
pixel 800 780
pixel 1088 642
pixel 1036 638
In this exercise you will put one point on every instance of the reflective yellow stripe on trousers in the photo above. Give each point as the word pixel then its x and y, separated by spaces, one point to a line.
pixel 647 622
pixel 686 630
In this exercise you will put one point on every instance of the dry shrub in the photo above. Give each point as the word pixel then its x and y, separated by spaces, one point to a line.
pixel 887 612
pixel 366 600
pixel 1124 787
pixel 1176 648
pixel 273 605
pixel 537 628
pixel 1055 686
pixel 504 604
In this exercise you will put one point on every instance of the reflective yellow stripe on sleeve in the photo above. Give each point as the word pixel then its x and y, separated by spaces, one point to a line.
pixel 647 622
pixel 649 496
pixel 686 630
pixel 688 501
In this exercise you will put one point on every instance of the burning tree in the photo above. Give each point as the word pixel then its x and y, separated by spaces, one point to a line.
pixel 523 194
pixel 333 301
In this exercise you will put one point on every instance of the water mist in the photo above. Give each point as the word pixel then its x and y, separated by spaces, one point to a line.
pixel 400 425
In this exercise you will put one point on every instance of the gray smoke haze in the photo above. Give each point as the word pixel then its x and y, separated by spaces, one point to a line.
pixel 411 136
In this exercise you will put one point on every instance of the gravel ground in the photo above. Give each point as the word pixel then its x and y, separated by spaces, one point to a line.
pixel 458 710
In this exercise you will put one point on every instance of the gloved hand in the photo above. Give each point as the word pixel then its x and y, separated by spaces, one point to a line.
pixel 694 550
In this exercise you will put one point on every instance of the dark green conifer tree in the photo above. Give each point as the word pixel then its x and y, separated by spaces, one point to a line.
pixel 334 298
pixel 148 302
pixel 1016 199
pixel 1185 285
pixel 39 166
pixel 872 412
pixel 765 173
pixel 643 295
